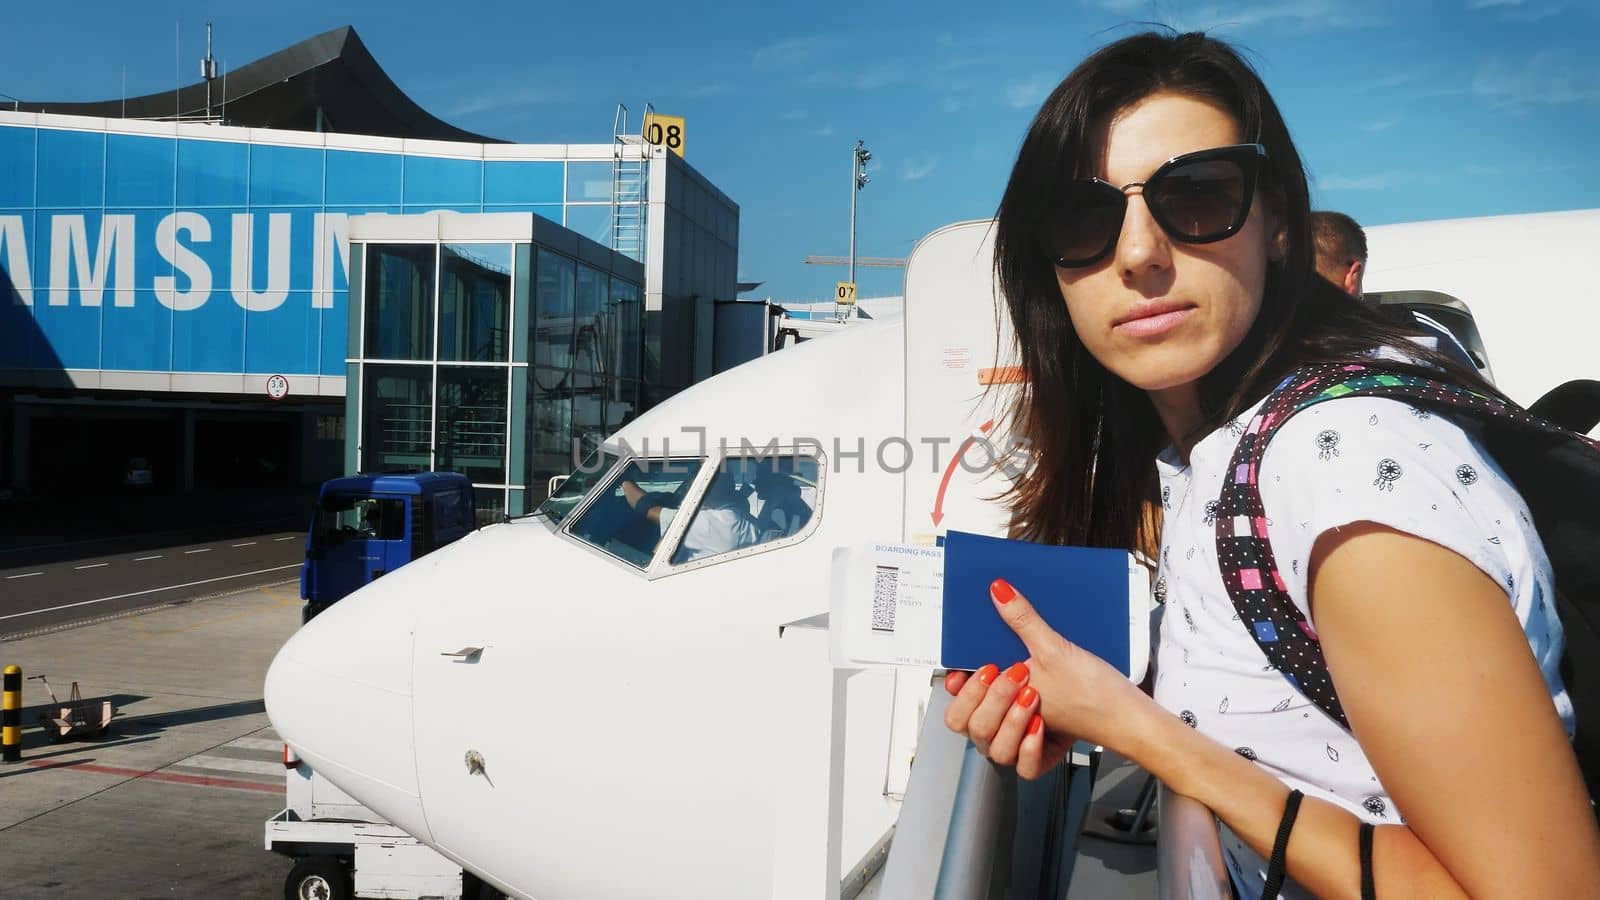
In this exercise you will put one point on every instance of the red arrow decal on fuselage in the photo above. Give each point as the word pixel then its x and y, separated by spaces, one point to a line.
pixel 950 470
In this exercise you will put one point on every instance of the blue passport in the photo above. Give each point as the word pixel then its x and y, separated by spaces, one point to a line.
pixel 1096 598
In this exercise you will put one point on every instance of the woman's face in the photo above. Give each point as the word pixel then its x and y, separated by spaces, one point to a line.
pixel 1156 312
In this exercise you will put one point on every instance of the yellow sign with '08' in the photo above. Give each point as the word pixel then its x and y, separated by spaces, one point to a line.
pixel 665 131
pixel 845 293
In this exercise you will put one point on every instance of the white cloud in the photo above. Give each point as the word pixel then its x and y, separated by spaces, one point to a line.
pixel 794 52
pixel 1021 95
pixel 524 96
pixel 709 90
pixel 1379 125
pixel 823 131
pixel 794 115
pixel 1378 182
pixel 918 169
pixel 1531 13
pixel 1290 15
pixel 882 74
pixel 1518 10
pixel 1541 81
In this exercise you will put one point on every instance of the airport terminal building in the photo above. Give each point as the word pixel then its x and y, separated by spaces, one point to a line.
pixel 177 274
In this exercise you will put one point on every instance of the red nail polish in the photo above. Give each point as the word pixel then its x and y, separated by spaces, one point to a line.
pixel 1035 723
pixel 986 675
pixel 1018 673
pixel 949 683
pixel 1002 590
pixel 1026 696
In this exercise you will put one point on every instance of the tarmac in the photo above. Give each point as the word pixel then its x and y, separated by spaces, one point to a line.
pixel 172 801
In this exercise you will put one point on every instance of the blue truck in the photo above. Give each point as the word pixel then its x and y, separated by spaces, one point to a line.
pixel 367 525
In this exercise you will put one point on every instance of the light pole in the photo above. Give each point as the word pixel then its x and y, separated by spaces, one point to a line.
pixel 859 156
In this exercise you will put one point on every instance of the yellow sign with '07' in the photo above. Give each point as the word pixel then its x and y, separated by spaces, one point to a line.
pixel 665 131
pixel 844 293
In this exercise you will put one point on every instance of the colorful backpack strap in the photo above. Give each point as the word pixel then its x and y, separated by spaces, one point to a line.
pixel 1250 572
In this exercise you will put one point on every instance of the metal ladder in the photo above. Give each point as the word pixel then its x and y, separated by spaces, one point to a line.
pixel 629 201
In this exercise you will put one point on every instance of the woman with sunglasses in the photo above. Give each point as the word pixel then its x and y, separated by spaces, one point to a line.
pixel 1154 249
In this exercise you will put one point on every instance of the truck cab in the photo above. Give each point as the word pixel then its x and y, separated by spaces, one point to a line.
pixel 369 525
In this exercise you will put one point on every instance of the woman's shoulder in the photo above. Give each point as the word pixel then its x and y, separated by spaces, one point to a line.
pixel 1333 430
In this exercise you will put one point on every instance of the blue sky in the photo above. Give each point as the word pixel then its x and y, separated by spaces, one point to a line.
pixel 1429 109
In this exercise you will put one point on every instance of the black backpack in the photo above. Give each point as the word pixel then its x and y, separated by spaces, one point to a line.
pixel 1556 471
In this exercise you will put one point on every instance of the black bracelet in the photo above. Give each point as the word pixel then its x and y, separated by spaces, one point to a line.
pixel 1368 890
pixel 1275 867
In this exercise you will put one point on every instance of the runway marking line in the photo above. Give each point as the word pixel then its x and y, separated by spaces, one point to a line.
pixel 289 538
pixel 29 575
pixel 143 558
pixel 89 566
pixel 201 550
pixel 246 544
pixel 170 587
pixel 168 777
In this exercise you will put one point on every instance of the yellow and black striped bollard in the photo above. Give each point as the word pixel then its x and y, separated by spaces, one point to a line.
pixel 11 716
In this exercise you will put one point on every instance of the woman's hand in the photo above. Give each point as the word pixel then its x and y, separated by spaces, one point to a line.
pixel 1072 692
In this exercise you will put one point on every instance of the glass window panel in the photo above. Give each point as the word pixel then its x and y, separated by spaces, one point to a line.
pixel 474 302
pixel 593 222
pixel 16 166
pixel 431 179
pixel 71 169
pixel 399 301
pixel 549 427
pixel 554 301
pixel 625 328
pixel 285 175
pixel 508 181
pixel 521 298
pixel 139 170
pixel 396 418
pixel 471 435
pixel 623 405
pixel 488 505
pixel 575 486
pixel 629 517
pixel 363 177
pixel 588 181
pixel 751 501
pixel 213 173
pixel 591 340
pixel 588 415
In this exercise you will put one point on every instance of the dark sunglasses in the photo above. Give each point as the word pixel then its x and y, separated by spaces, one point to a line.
pixel 1196 198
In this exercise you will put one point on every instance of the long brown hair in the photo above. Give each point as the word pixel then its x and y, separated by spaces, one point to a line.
pixel 1093 436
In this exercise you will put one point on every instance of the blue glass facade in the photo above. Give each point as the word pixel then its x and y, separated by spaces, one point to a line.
pixel 183 254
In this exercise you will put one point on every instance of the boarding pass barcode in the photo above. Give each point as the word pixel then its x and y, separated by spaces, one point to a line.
pixel 885 592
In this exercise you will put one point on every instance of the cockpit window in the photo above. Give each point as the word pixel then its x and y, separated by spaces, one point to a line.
pixel 575 486
pixel 1437 313
pixel 636 507
pixel 751 501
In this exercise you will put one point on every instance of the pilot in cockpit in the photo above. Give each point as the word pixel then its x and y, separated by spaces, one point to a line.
pixel 783 510
pixel 722 523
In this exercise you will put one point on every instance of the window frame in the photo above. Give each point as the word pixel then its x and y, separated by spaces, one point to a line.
pixel 660 564
pixel 664 565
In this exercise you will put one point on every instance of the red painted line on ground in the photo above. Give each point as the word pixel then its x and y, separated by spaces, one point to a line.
pixel 170 777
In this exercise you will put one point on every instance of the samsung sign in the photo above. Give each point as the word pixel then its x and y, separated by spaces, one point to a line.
pixel 199 253
pixel 133 252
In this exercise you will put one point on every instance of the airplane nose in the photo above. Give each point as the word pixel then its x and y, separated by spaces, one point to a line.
pixel 339 692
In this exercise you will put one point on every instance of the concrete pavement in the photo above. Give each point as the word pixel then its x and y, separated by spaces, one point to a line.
pixel 171 802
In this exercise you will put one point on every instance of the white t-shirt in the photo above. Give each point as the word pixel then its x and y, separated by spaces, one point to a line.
pixel 713 530
pixel 1338 462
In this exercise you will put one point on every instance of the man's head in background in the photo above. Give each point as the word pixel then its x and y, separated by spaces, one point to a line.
pixel 1341 250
